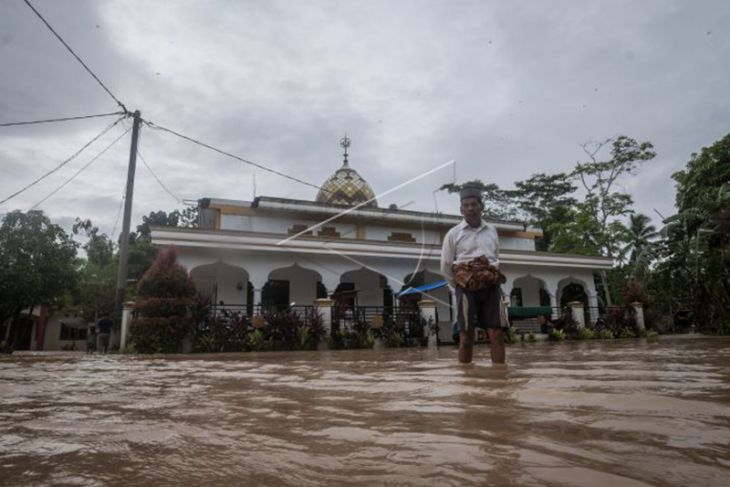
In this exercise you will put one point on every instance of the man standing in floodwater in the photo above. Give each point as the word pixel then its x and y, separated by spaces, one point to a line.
pixel 470 262
pixel 105 328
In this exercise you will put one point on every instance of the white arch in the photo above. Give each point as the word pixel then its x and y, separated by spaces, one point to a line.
pixel 302 282
pixel 369 285
pixel 222 282
pixel 530 289
pixel 571 280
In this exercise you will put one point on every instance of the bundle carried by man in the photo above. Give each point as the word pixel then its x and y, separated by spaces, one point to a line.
pixel 477 274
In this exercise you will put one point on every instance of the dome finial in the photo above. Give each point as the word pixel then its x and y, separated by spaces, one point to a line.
pixel 345 143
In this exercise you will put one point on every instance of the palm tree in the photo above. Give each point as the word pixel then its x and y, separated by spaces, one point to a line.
pixel 639 245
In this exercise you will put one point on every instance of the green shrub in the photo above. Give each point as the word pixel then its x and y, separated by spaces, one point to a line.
pixel 206 343
pixel 586 333
pixel 366 340
pixel 651 334
pixel 604 334
pixel 510 336
pixel 393 338
pixel 626 332
pixel 255 341
pixel 337 340
pixel 556 335
pixel 531 337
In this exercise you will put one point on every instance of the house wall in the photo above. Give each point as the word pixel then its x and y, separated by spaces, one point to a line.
pixel 53 340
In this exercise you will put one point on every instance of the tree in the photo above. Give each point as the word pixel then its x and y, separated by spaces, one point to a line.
pixel 498 204
pixel 599 177
pixel 546 201
pixel 37 266
pixel 696 251
pixel 189 217
pixel 640 246
pixel 97 274
pixel 156 218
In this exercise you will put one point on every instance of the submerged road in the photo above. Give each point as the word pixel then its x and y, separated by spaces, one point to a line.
pixel 599 413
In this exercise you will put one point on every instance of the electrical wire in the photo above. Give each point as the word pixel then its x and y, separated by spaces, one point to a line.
pixel 66 119
pixel 71 158
pixel 82 169
pixel 207 146
pixel 158 179
pixel 119 213
pixel 124 108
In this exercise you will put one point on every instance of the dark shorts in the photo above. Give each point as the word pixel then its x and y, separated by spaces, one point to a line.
pixel 104 340
pixel 478 309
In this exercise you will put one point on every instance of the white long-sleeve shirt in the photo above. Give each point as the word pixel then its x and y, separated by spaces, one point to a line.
pixel 464 243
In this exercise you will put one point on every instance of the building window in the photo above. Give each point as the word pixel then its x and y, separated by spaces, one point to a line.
pixel 328 232
pixel 401 237
pixel 69 332
pixel 299 228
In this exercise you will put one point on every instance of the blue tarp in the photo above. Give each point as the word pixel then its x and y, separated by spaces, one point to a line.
pixel 423 289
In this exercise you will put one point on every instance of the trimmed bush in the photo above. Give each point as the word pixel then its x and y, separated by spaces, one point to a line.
pixel 165 294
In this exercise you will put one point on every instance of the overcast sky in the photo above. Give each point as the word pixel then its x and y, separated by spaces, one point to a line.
pixel 506 89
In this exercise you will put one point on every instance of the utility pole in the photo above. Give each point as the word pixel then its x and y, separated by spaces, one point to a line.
pixel 124 237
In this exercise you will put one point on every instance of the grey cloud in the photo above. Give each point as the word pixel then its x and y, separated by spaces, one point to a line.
pixel 505 89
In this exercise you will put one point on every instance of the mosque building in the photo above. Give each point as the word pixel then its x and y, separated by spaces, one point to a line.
pixel 273 252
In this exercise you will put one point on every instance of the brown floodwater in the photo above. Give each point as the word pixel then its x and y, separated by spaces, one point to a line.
pixel 620 413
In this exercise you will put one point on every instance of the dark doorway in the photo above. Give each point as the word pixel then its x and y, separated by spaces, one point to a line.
pixel 275 295
pixel 573 292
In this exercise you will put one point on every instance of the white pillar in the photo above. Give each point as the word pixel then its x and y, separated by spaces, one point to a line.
pixel 554 305
pixel 323 306
pixel 639 312
pixel 578 316
pixel 593 307
pixel 126 318
pixel 428 313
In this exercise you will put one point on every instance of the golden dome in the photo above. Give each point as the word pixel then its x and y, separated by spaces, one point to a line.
pixel 346 187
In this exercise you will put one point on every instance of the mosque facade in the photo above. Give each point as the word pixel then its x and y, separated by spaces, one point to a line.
pixel 276 252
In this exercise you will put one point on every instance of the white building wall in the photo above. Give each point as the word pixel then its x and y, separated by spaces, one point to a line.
pixel 515 243
pixel 280 225
pixel 381 233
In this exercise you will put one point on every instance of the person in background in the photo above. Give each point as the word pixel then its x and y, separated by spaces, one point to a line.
pixel 105 328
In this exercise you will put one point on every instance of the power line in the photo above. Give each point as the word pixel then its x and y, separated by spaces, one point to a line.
pixel 73 156
pixel 203 144
pixel 119 212
pixel 77 57
pixel 66 119
pixel 158 179
pixel 82 169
